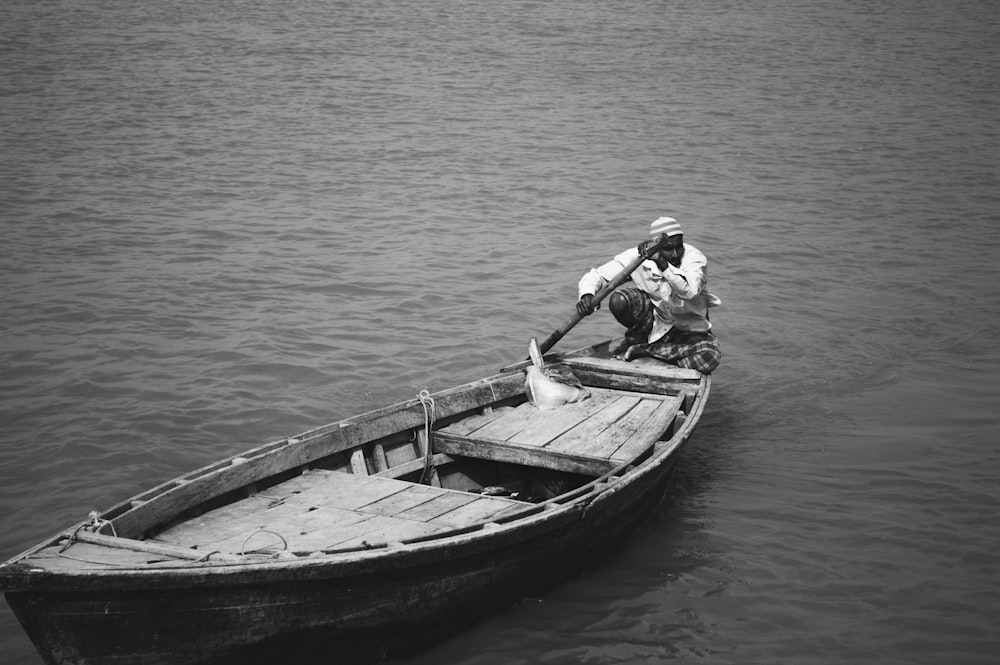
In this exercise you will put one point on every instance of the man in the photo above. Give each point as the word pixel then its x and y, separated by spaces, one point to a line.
pixel 665 309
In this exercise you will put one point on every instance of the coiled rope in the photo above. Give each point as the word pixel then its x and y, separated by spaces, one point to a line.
pixel 266 548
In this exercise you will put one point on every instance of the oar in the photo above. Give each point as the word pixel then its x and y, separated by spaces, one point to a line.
pixel 618 280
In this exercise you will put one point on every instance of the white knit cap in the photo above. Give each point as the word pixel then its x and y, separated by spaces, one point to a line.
pixel 666 225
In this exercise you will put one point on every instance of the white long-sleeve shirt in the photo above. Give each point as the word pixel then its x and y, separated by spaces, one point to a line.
pixel 679 295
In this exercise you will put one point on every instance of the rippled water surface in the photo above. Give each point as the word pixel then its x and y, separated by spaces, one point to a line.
pixel 225 222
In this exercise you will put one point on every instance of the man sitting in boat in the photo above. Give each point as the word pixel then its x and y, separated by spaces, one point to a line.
pixel 665 307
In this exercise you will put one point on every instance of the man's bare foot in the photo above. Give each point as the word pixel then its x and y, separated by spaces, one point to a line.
pixel 632 352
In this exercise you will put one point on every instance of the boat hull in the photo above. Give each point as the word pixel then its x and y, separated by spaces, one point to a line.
pixel 390 544
pixel 397 606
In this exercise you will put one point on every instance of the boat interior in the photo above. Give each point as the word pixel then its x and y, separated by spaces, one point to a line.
pixel 464 459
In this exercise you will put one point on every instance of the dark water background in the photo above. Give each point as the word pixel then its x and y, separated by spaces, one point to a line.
pixel 225 222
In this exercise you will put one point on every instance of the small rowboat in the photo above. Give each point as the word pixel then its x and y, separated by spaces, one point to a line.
pixel 368 534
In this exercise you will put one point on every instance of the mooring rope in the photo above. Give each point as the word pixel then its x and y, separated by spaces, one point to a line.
pixel 95 524
pixel 429 416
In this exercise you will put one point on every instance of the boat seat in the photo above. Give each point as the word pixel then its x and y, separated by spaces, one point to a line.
pixel 591 437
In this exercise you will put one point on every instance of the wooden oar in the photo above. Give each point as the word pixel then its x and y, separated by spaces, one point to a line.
pixel 618 280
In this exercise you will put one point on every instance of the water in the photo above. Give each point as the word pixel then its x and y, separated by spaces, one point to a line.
pixel 227 222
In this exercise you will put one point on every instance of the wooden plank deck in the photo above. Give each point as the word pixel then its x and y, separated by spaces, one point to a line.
pixel 591 437
pixel 325 509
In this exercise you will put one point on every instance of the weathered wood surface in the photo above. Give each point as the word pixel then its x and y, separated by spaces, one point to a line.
pixel 512 453
pixel 592 436
pixel 412 466
pixel 150 550
pixel 593 367
pixel 84 550
pixel 645 367
pixel 324 509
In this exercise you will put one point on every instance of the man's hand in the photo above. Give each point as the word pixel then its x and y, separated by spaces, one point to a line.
pixel 585 305
pixel 647 248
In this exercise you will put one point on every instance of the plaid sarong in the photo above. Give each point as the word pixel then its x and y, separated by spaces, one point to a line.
pixel 693 350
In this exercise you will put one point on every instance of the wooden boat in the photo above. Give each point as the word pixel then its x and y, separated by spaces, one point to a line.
pixel 366 534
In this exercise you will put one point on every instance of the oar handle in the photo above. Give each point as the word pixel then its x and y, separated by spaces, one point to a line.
pixel 618 280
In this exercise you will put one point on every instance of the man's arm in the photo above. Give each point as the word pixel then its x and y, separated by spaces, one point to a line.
pixel 596 278
pixel 688 280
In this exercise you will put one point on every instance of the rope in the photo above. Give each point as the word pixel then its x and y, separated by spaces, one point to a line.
pixel 207 555
pixel 260 550
pixel 95 524
pixel 429 416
